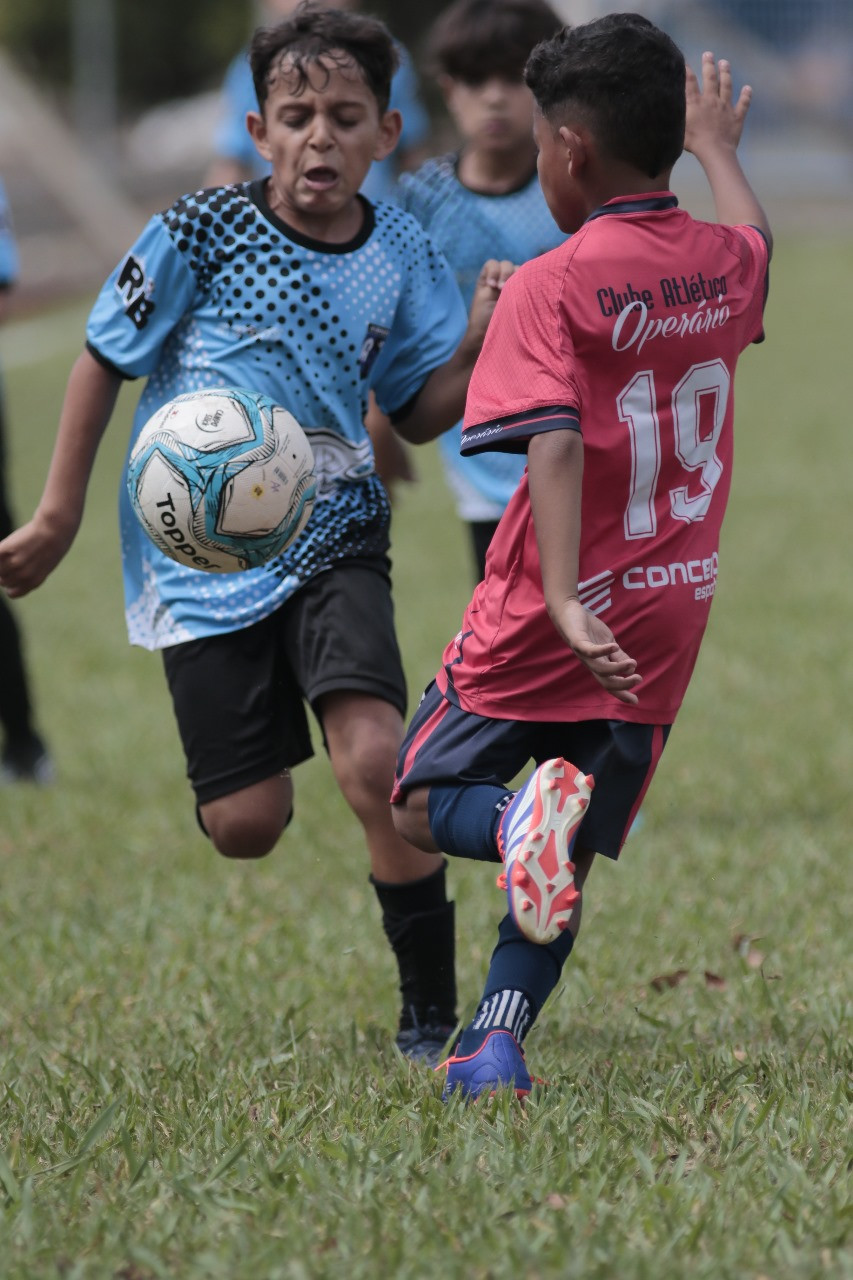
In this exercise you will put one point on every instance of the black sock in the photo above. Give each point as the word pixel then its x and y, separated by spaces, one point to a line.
pixel 419 923
pixel 15 709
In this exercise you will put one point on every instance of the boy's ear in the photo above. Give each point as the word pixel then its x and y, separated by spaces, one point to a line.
pixel 256 125
pixel 577 150
pixel 446 84
pixel 390 128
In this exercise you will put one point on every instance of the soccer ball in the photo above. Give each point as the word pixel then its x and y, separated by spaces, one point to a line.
pixel 222 479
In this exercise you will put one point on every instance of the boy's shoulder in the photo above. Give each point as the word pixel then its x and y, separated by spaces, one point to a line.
pixel 399 227
pixel 208 205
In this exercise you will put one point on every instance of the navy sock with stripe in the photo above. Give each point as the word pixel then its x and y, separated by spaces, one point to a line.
pixel 522 974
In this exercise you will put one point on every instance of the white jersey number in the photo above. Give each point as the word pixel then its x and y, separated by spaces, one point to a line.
pixel 637 409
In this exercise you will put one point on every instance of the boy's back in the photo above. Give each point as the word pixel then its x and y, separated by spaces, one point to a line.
pixel 631 330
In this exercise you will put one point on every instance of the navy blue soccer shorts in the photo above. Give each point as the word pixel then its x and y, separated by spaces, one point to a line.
pixel 446 745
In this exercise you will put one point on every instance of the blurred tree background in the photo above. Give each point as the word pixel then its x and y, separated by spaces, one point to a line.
pixel 164 49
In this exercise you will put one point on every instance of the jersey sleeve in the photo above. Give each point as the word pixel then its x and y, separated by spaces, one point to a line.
pixel 755 263
pixel 429 322
pixel 146 296
pixel 8 248
pixel 523 382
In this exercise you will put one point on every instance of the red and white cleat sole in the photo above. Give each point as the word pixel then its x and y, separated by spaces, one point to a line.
pixel 533 839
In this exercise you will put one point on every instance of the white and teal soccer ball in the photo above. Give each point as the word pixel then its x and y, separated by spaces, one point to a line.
pixel 222 479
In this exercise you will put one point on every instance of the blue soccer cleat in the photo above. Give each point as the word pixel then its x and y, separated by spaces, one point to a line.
pixel 497 1064
pixel 534 840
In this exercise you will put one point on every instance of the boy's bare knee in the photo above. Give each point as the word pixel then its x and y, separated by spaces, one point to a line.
pixel 239 838
pixel 411 820
pixel 248 823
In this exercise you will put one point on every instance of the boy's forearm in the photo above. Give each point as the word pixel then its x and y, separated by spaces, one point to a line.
pixel 88 405
pixel 734 200
pixel 555 476
pixel 441 402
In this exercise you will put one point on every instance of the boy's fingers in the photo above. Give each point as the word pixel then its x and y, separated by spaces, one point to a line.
pixel 725 73
pixel 495 274
pixel 743 101
pixel 709 73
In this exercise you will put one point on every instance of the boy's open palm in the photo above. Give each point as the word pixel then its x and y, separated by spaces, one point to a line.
pixel 593 642
pixel 713 119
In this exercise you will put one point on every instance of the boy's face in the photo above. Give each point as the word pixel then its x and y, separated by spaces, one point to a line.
pixel 558 186
pixel 320 139
pixel 494 116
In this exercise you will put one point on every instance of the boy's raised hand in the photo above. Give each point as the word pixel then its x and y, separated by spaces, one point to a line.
pixel 712 132
pixel 712 116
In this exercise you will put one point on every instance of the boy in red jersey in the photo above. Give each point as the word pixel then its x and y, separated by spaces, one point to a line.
pixel 610 361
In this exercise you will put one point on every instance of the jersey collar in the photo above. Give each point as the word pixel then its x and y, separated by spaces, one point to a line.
pixel 655 203
pixel 257 194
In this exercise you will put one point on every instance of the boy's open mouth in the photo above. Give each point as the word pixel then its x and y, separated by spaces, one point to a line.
pixel 321 176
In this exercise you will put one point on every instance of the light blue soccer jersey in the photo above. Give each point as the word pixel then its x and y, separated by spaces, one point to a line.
pixel 469 228
pixel 217 291
pixel 9 265
pixel 233 142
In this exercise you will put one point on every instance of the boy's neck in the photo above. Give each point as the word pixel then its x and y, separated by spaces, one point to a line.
pixel 622 182
pixel 496 173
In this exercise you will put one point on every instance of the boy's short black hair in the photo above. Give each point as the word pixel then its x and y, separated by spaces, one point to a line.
pixel 625 78
pixel 475 39
pixel 312 33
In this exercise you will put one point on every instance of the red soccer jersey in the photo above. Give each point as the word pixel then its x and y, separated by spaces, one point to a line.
pixel 630 333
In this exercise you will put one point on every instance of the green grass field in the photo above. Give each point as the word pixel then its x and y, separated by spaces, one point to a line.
pixel 196 1071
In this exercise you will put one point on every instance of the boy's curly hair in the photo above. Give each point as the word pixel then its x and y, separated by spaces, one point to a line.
pixel 313 34
pixel 625 78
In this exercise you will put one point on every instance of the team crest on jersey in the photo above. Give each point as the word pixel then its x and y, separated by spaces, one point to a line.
pixel 374 341
pixel 135 289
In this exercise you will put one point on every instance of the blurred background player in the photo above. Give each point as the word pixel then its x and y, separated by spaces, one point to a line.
pixel 300 288
pixel 484 200
pixel 236 157
pixel 24 757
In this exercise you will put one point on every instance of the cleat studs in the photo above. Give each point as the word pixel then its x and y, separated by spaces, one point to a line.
pixel 562 925
pixel 550 887
pixel 590 781
pixel 527 855
pixel 527 905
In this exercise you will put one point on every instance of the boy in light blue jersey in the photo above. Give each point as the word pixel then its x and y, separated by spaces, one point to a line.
pixel 484 201
pixel 297 287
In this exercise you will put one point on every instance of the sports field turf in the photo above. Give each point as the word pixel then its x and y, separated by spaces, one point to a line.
pixel 196 1072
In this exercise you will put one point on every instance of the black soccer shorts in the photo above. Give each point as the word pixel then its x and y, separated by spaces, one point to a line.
pixel 239 698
